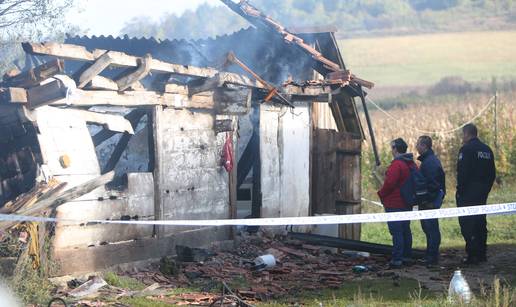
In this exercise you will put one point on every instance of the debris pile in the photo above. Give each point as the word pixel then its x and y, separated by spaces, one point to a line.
pixel 299 267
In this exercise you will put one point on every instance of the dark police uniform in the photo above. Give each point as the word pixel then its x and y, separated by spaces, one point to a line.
pixel 475 176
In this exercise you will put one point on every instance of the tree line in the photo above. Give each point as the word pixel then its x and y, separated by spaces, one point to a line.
pixel 350 17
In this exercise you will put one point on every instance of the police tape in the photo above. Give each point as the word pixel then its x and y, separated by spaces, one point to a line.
pixel 508 208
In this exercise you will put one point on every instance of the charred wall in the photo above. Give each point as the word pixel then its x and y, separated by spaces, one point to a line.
pixel 19 155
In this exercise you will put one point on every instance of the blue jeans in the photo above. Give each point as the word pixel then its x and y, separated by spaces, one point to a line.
pixel 401 237
pixel 431 230
pixel 433 239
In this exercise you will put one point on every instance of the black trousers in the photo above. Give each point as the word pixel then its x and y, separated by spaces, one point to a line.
pixel 474 231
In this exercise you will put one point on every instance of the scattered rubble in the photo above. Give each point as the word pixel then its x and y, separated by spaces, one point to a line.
pixel 88 288
pixel 299 267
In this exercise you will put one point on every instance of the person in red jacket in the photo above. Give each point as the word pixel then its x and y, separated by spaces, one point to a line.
pixel 392 201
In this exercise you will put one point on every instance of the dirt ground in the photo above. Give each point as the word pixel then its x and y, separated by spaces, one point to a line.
pixel 500 264
pixel 301 269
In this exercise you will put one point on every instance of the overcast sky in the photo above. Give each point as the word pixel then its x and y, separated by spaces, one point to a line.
pixel 109 16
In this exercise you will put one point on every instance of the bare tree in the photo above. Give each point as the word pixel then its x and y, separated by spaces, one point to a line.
pixel 20 15
pixel 22 20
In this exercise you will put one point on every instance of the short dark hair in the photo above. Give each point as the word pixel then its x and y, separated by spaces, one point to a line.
pixel 470 129
pixel 400 145
pixel 426 140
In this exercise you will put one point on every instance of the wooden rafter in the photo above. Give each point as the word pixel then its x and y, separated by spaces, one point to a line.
pixel 133 77
pixel 96 68
pixel 35 76
pixel 120 59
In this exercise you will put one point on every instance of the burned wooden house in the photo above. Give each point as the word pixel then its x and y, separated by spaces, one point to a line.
pixel 100 128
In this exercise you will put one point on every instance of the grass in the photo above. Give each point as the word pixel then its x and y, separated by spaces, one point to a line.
pixel 142 302
pixel 123 281
pixel 424 59
pixel 385 291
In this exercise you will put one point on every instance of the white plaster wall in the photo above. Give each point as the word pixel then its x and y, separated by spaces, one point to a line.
pixel 195 185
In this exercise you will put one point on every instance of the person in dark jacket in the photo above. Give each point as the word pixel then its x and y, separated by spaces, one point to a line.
pixel 390 196
pixel 476 174
pixel 433 172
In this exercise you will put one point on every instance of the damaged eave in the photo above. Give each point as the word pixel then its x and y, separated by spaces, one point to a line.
pixel 118 59
pixel 309 93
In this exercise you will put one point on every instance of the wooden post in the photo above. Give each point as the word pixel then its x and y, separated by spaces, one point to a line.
pixel 256 201
pixel 158 167
pixel 233 181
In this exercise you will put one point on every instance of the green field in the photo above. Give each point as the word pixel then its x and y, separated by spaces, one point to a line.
pixel 419 60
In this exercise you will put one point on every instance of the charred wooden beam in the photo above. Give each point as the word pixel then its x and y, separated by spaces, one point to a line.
pixel 223 125
pixel 348 244
pixel 46 94
pixel 262 21
pixel 101 83
pixel 120 59
pixel 134 76
pixel 94 69
pixel 61 197
pixel 134 99
pixel 34 76
pixel 13 95
pixel 219 80
pixel 232 100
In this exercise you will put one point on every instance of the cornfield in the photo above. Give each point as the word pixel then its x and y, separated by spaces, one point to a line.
pixel 438 118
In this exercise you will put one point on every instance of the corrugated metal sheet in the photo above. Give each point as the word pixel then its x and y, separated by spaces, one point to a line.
pixel 262 52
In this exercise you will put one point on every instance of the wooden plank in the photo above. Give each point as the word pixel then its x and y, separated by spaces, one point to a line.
pixel 120 59
pixel 204 85
pixel 176 89
pixel 64 132
pixel 324 173
pixel 101 83
pixel 134 99
pixel 36 75
pixel 46 94
pixel 62 197
pixel 80 236
pixel 325 97
pixel 133 117
pixel 315 90
pixel 139 73
pixel 96 68
pixel 219 80
pixel 116 123
pixel 13 95
pixel 348 152
pixel 232 101
pixel 157 128
pixel 84 260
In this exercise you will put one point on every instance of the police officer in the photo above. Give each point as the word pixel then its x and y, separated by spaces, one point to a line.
pixel 475 177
